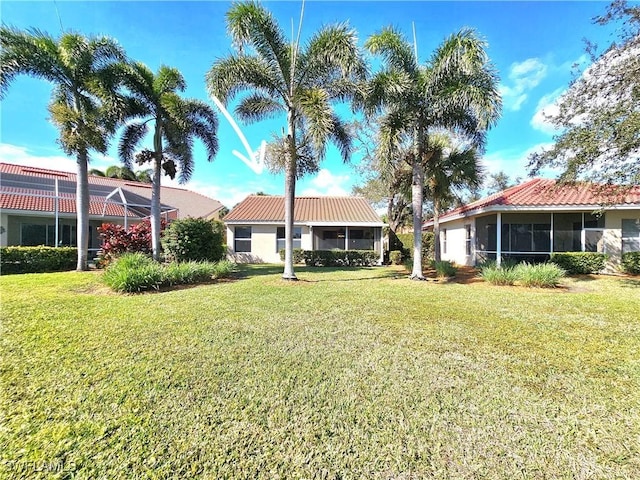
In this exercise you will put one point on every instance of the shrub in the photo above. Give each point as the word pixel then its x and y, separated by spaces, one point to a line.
pixel 341 258
pixel 580 262
pixel 631 262
pixel 395 257
pixel 298 255
pixel 136 272
pixel 194 239
pixel 428 248
pixel 116 240
pixel 133 272
pixel 37 259
pixel 541 275
pixel 496 275
pixel 444 269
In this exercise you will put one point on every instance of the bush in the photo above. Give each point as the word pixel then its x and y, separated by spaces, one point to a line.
pixel 444 269
pixel 133 272
pixel 194 239
pixel 406 241
pixel 37 259
pixel 496 275
pixel 541 275
pixel 631 262
pixel 576 263
pixel 116 240
pixel 298 255
pixel 136 272
pixel 341 258
pixel 395 257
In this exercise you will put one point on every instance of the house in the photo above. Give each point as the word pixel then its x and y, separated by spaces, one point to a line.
pixel 533 220
pixel 38 206
pixel 255 227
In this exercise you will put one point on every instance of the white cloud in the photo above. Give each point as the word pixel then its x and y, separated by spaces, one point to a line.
pixel 523 77
pixel 547 107
pixel 512 162
pixel 22 156
pixel 326 183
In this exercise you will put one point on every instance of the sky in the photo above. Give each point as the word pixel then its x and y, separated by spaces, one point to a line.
pixel 533 46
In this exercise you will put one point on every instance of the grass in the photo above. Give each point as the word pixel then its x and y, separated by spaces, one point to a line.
pixel 346 374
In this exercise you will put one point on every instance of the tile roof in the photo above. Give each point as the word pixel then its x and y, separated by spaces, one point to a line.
pixel 32 189
pixel 539 193
pixel 267 208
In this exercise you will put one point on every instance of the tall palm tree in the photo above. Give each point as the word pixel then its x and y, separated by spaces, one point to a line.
pixel 455 89
pixel 451 169
pixel 175 123
pixel 281 78
pixel 84 105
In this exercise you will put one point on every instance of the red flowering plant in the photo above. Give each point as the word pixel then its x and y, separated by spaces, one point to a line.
pixel 117 240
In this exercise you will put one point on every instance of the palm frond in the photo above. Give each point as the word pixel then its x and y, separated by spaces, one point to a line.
pixel 318 114
pixel 258 107
pixel 131 137
pixel 233 74
pixel 397 52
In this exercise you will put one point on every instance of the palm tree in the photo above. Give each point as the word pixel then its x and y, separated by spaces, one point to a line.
pixel 83 105
pixel 175 122
pixel 456 89
pixel 123 173
pixel 279 77
pixel 451 169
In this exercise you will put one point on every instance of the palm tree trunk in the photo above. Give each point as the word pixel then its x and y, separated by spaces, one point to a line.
pixel 155 209
pixel 417 188
pixel 436 228
pixel 82 209
pixel 155 193
pixel 289 203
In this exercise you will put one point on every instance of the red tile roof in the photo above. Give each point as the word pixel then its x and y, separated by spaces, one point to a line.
pixel 32 189
pixel 266 208
pixel 541 193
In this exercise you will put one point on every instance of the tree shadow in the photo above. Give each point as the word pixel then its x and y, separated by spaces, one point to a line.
pixel 245 271
pixel 630 283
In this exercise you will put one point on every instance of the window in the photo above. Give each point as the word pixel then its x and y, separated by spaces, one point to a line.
pixel 332 239
pixel 630 235
pixel 467 238
pixel 444 241
pixel 526 237
pixel 33 235
pixel 297 238
pixel 361 239
pixel 242 240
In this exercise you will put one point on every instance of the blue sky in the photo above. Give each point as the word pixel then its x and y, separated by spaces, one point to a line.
pixel 532 44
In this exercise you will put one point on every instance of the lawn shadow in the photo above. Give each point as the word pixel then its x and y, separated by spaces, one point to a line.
pixel 630 282
pixel 245 271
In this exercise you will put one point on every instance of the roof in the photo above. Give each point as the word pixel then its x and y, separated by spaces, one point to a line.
pixel 545 194
pixel 321 210
pixel 33 189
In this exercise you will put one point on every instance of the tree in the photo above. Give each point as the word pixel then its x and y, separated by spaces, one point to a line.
pixel 500 181
pixel 281 78
pixel 84 105
pixel 175 121
pixel 123 173
pixel 451 169
pixel 456 90
pixel 599 115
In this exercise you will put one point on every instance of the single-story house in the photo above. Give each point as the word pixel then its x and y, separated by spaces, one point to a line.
pixel 255 227
pixel 38 206
pixel 533 220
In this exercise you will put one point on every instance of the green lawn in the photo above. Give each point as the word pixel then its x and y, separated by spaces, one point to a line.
pixel 345 374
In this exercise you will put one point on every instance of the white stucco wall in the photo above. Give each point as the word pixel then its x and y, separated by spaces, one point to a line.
pixel 456 242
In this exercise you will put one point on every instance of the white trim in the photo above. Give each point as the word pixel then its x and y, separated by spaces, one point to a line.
pixel 306 224
pixel 533 208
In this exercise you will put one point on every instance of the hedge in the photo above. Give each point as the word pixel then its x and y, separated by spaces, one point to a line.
pixel 577 263
pixel 631 262
pixel 298 255
pixel 405 244
pixel 37 259
pixel 194 239
pixel 341 258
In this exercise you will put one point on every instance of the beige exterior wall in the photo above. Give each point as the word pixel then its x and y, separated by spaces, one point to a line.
pixel 4 229
pixel 263 244
pixel 456 248
pixel 612 236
